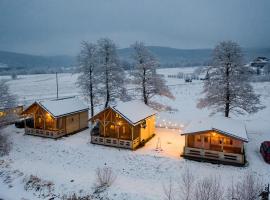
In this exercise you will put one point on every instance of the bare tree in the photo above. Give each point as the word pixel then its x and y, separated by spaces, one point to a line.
pixel 209 188
pixel 145 75
pixel 227 88
pixel 247 188
pixel 187 184
pixel 169 191
pixel 112 73
pixel 88 79
pixel 104 179
pixel 7 100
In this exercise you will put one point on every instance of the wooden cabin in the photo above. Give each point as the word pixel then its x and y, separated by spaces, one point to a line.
pixel 218 139
pixel 9 115
pixel 56 118
pixel 125 125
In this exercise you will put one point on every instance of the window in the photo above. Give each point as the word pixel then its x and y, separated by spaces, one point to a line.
pixel 198 138
pixel 143 124
pixel 118 116
pixel 205 139
pixel 124 129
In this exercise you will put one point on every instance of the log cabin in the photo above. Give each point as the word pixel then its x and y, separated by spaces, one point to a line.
pixel 216 139
pixel 56 118
pixel 9 115
pixel 126 125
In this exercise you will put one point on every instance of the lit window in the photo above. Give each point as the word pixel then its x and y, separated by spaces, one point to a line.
pixel 2 114
pixel 124 129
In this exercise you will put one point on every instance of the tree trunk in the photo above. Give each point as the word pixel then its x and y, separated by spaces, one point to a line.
pixel 227 104
pixel 145 99
pixel 91 93
pixel 107 80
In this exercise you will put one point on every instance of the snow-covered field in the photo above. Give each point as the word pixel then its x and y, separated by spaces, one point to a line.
pixel 71 162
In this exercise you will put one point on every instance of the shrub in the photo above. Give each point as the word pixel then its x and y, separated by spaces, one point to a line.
pixel 5 146
pixel 104 179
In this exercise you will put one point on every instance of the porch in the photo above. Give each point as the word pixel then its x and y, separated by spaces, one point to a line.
pixel 224 157
pixel 116 142
pixel 45 133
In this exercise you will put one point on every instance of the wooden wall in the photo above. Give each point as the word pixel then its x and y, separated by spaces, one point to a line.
pixel 112 125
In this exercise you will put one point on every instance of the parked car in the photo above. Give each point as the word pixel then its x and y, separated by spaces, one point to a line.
pixel 265 151
pixel 21 124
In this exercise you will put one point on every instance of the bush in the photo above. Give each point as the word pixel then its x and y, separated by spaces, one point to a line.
pixel 75 197
pixel 42 188
pixel 5 146
pixel 104 179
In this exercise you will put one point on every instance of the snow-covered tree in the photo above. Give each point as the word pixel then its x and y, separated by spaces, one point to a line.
pixel 88 79
pixel 227 88
pixel 111 72
pixel 145 75
pixel 7 99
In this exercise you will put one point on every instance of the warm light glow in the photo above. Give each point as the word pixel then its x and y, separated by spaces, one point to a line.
pixel 119 123
pixel 48 116
pixel 214 134
pixel 2 114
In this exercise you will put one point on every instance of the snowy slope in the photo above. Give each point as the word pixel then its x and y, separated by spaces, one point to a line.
pixel 140 174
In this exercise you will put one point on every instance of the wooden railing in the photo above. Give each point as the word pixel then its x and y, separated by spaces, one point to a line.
pixel 128 144
pixel 44 133
pixel 214 155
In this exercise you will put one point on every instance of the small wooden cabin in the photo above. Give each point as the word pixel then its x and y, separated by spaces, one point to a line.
pixel 9 115
pixel 125 125
pixel 216 139
pixel 56 118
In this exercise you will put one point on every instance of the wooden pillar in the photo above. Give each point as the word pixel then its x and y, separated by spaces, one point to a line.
pixel 222 141
pixel 104 125
pixel 34 120
pixel 242 148
pixel 44 120
pixel 202 140
pixel 132 134
pixel 118 132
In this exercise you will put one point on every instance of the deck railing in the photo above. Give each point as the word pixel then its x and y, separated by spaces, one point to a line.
pixel 214 155
pixel 44 133
pixel 128 144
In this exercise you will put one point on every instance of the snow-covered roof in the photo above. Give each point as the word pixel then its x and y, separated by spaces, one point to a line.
pixel 223 125
pixel 133 111
pixel 61 107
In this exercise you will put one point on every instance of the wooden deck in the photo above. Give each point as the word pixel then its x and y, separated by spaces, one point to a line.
pixel 214 155
pixel 128 144
pixel 45 133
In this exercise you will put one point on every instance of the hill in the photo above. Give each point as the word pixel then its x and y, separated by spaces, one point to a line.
pixel 167 56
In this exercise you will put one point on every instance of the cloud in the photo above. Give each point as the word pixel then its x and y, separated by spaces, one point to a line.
pixel 57 27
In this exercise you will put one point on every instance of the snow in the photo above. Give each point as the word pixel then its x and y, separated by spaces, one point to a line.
pixel 134 111
pixel 141 174
pixel 60 107
pixel 227 126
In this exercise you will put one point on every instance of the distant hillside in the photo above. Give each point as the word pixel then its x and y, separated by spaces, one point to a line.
pixel 168 57
pixel 189 57
pixel 33 63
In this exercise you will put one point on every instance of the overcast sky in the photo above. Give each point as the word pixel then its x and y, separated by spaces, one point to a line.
pixel 49 27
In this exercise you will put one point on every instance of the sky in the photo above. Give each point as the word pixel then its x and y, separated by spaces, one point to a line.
pixel 57 27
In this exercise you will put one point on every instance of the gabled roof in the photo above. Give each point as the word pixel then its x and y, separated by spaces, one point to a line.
pixel 134 111
pixel 62 107
pixel 223 125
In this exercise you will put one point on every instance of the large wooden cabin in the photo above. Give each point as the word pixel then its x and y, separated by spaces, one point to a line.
pixel 56 118
pixel 125 125
pixel 216 139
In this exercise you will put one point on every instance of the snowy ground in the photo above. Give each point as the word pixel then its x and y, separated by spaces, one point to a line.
pixel 141 174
